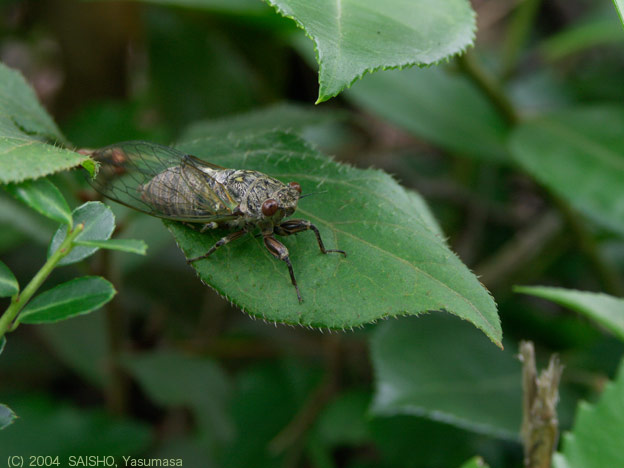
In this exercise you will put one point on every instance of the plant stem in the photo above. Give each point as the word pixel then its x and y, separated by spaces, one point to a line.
pixel 490 86
pixel 519 29
pixel 9 320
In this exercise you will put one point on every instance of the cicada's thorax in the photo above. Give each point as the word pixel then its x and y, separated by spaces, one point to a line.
pixel 250 189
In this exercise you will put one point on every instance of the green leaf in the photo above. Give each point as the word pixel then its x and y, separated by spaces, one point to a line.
pixel 6 416
pixel 75 297
pixel 434 105
pixel 607 310
pixel 595 441
pixel 285 116
pixel 23 221
pixel 396 262
pixel 25 130
pixel 43 197
pixel 619 6
pixel 2 343
pixel 8 283
pixel 476 462
pixel 124 245
pixel 170 378
pixel 579 155
pixel 99 223
pixel 356 37
pixel 56 428
pixel 440 368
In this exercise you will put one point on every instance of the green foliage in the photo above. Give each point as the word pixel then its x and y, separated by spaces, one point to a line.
pixel 606 310
pixel 476 462
pixel 596 438
pixel 418 372
pixel 619 6
pixel 396 264
pixel 99 223
pixel 122 245
pixel 8 283
pixel 25 130
pixel 76 297
pixel 170 378
pixel 356 37
pixel 6 416
pixel 433 104
pixel 66 430
pixel 42 196
pixel 591 137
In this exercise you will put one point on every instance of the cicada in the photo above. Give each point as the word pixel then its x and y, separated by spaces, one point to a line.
pixel 166 183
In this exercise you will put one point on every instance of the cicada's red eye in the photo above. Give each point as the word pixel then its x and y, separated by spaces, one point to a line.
pixel 269 207
pixel 295 185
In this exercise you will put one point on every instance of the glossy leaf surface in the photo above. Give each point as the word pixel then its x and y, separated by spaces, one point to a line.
pixel 75 297
pixel 43 197
pixel 8 282
pixel 99 223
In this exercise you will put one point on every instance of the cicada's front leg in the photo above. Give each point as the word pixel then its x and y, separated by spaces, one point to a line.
pixel 279 251
pixel 293 226
pixel 220 243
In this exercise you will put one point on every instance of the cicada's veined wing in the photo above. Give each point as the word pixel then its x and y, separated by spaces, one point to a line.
pixel 162 182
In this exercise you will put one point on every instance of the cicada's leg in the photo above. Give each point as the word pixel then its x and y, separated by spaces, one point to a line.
pixel 220 243
pixel 293 226
pixel 279 250
pixel 207 226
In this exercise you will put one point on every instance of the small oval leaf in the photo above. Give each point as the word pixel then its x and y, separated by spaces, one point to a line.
pixel 124 245
pixel 99 223
pixel 76 297
pixel 8 283
pixel 43 197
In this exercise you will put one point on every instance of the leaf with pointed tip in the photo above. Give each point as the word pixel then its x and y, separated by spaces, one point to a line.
pixel 25 132
pixel 355 37
pixel 607 310
pixel 619 6
pixel 75 297
pixel 595 441
pixel 397 264
pixel 99 224
pixel 8 283
pixel 43 197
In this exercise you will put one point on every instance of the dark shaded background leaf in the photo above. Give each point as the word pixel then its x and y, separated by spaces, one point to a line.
pixel 607 310
pixel 579 155
pixel 440 368
pixel 396 265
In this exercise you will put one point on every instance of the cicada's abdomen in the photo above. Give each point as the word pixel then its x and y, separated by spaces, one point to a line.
pixel 181 192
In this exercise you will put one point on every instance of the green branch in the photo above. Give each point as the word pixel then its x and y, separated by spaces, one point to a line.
pixel 8 320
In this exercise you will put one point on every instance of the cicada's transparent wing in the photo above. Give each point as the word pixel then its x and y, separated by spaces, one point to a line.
pixel 162 182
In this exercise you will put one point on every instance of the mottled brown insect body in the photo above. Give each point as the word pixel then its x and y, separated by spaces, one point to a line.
pixel 166 183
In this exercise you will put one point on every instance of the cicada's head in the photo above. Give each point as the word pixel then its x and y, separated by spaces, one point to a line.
pixel 283 202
